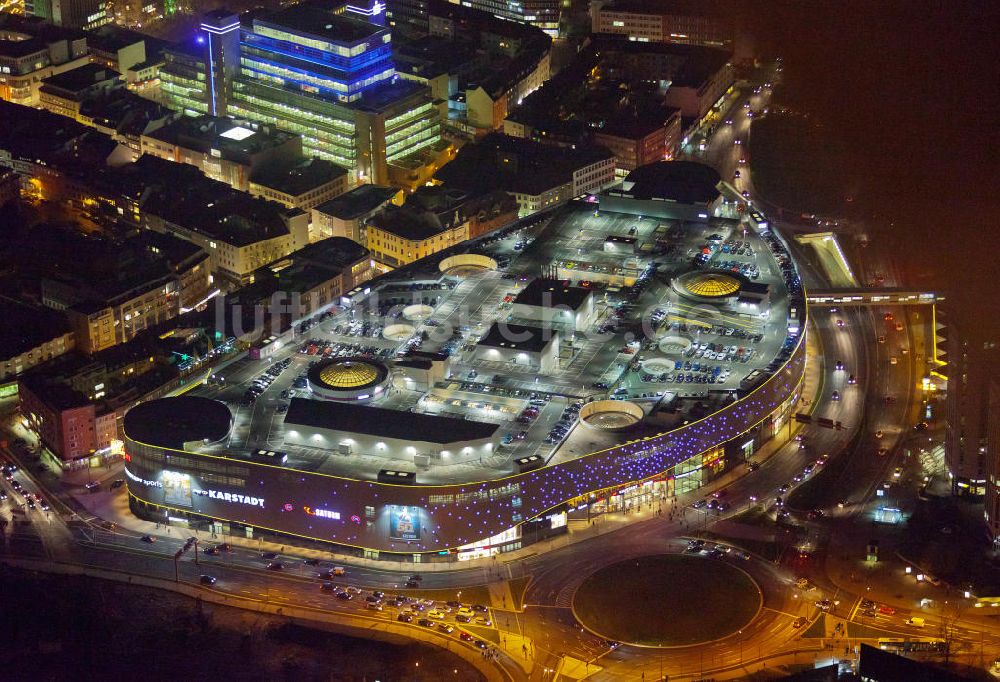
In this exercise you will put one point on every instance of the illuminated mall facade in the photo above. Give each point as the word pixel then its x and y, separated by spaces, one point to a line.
pixel 168 479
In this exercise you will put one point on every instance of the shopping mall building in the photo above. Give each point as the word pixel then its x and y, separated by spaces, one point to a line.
pixel 417 447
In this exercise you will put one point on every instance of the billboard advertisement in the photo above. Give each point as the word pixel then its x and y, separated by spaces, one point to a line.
pixel 176 488
pixel 404 522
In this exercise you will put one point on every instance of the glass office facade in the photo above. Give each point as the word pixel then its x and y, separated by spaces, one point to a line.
pixel 184 83
pixel 331 84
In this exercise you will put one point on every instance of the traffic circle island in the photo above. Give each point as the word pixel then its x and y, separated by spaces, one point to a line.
pixel 667 600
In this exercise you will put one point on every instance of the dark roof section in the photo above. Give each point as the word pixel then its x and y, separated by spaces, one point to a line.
pixel 216 15
pixel 108 39
pixel 300 177
pixel 207 206
pixel 697 8
pixel 427 355
pixel 358 202
pixel 87 272
pixel 407 223
pixel 517 337
pixel 333 254
pixel 25 327
pixel 516 165
pixel 314 21
pixel 66 381
pixel 883 666
pixel 174 250
pixel 67 147
pixel 686 182
pixel 22 48
pixel 551 293
pixel 40 28
pixel 125 112
pixel 57 395
pixel 380 422
pixel 689 65
pixel 80 78
pixel 171 422
pixel 415 364
pixel 204 133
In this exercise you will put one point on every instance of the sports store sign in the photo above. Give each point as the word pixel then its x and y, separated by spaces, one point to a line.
pixel 177 489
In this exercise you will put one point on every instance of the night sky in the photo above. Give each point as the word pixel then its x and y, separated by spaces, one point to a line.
pixel 910 91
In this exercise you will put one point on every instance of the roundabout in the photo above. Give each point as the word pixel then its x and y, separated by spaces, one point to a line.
pixel 667 600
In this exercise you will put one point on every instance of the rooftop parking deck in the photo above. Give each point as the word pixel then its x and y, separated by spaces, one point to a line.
pixel 650 344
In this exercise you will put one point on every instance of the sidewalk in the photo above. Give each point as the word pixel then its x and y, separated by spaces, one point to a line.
pixel 112 506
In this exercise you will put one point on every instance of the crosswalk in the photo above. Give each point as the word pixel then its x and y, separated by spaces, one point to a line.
pixel 564 599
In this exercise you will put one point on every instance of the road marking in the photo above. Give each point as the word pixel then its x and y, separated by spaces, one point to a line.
pixel 784 613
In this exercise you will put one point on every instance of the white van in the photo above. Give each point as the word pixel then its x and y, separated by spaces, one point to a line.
pixel 916 621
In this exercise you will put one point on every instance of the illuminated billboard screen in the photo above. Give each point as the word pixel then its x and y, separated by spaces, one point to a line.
pixel 404 522
pixel 176 488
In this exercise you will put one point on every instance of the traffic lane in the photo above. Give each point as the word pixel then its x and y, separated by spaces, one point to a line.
pixel 273 588
pixel 355 576
pixel 866 471
pixel 817 440
pixel 295 566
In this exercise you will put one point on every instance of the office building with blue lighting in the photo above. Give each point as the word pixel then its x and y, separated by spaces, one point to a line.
pixel 323 72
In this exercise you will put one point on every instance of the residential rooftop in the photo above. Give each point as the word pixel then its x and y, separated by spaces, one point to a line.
pixel 305 269
pixel 407 222
pixel 38 27
pixel 125 112
pixel 76 81
pixel 697 8
pixel 689 66
pixel 232 138
pixel 37 134
pixel 88 272
pixel 25 327
pixel 357 202
pixel 216 210
pixel 111 38
pixel 58 382
pixel 517 165
pixel 471 19
pixel 300 177
pixel 16 49
pixel 333 253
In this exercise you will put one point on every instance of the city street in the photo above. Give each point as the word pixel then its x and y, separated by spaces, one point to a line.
pixel 826 487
